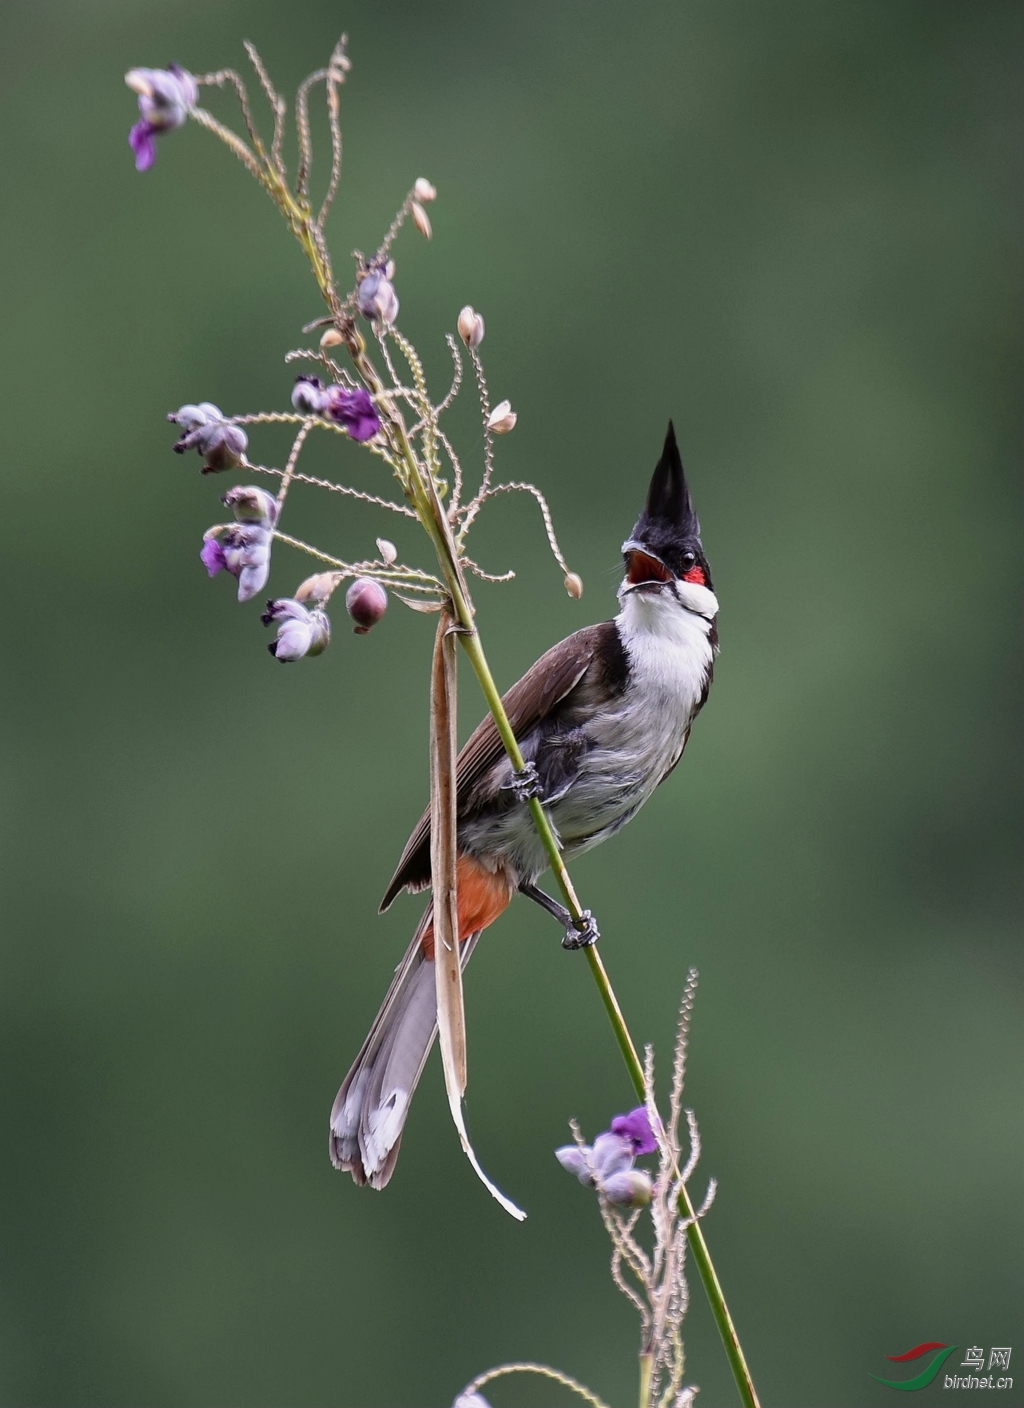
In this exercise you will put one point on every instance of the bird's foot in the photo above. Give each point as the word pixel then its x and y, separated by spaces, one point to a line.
pixel 581 933
pixel 525 784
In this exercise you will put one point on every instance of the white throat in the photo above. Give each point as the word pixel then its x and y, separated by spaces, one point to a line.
pixel 669 645
pixel 685 615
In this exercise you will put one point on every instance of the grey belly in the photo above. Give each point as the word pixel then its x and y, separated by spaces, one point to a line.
pixel 607 790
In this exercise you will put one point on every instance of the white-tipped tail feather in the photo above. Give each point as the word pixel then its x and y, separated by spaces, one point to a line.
pixel 371 1107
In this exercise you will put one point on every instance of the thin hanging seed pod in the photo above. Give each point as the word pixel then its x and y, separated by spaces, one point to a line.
pixel 443 857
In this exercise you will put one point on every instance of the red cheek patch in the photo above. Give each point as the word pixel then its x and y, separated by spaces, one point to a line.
pixel 695 574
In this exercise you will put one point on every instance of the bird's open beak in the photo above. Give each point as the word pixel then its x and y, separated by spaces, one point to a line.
pixel 644 572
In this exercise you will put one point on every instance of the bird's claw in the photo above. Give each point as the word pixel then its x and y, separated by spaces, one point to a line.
pixel 525 784
pixel 581 933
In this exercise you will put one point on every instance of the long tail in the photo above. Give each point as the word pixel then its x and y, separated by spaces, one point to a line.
pixel 372 1105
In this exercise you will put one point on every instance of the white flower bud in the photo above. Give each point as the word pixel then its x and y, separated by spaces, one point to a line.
pixel 502 419
pixel 318 587
pixel 388 551
pixel 574 585
pixel 422 221
pixel 331 338
pixel 424 190
pixel 471 327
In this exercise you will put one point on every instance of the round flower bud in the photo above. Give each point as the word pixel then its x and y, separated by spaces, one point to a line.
pixel 308 396
pixel 630 1189
pixel 222 447
pixel 424 190
pixel 366 601
pixel 502 419
pixel 574 585
pixel 251 505
pixel 471 327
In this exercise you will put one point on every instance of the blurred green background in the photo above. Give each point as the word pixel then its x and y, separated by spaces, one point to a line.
pixel 791 226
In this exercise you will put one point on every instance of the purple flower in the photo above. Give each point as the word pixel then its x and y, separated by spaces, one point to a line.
pixel 165 97
pixel 308 396
pixel 205 428
pixel 212 556
pixel 244 550
pixel 376 295
pixel 140 139
pixel 636 1127
pixel 610 1155
pixel 300 632
pixel 354 409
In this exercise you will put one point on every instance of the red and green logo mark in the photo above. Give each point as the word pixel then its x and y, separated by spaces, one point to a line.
pixel 928 1373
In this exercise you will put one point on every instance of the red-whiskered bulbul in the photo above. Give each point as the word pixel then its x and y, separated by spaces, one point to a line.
pixel 601 719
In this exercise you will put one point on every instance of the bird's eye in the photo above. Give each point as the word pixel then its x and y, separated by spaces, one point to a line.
pixel 692 570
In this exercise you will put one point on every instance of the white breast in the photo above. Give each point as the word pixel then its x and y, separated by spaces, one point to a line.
pixel 635 743
pixel 632 740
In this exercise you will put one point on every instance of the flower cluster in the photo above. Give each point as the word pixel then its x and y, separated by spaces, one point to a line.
pixel 206 429
pixel 244 548
pixel 607 1165
pixel 165 97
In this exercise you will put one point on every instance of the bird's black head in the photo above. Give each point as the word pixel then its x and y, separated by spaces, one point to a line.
pixel 665 543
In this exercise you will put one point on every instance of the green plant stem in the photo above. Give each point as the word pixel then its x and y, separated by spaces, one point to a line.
pixel 646 1375
pixel 474 650
pixel 423 496
pixel 694 1232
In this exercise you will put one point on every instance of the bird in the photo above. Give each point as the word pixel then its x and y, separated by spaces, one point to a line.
pixel 601 720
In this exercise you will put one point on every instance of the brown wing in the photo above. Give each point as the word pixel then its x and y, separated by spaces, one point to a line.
pixel 547 682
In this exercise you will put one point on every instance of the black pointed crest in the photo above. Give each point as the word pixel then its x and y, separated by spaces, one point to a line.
pixel 668 526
